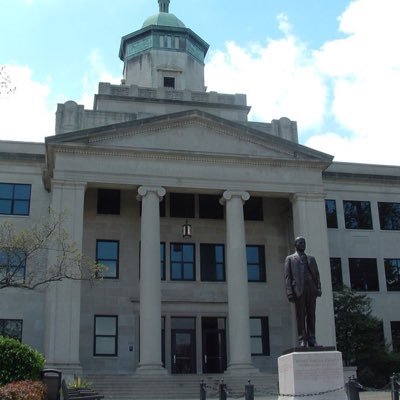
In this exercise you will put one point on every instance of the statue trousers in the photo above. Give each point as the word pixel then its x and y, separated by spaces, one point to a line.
pixel 305 312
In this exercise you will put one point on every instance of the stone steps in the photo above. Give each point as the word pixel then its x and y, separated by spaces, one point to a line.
pixel 139 387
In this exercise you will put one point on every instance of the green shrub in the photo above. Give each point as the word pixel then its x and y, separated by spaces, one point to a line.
pixel 23 390
pixel 18 361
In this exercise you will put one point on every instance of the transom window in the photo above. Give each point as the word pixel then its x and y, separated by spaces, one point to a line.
pixel 363 274
pixel 331 215
pixel 255 263
pixel 392 272
pixel 357 214
pixel 105 335
pixel 212 262
pixel 182 257
pixel 389 216
pixel 253 209
pixel 181 205
pixel 107 254
pixel 15 198
pixel 210 207
pixel 259 336
pixel 11 328
pixel 108 201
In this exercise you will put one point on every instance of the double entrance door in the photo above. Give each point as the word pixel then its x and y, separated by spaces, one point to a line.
pixel 184 345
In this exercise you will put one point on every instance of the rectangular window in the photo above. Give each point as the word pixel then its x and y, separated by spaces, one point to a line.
pixel 212 262
pixel 331 216
pixel 169 82
pixel 259 336
pixel 255 263
pixel 105 335
pixel 395 329
pixel 389 216
pixel 363 274
pixel 107 254
pixel 108 201
pixel 11 328
pixel 210 207
pixel 15 198
pixel 336 273
pixel 253 209
pixel 181 205
pixel 392 272
pixel 357 214
pixel 182 257
pixel 12 266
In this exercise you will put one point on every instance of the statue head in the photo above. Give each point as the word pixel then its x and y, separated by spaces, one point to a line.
pixel 300 243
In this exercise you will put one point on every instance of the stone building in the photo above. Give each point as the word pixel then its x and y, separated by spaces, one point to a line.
pixel 193 209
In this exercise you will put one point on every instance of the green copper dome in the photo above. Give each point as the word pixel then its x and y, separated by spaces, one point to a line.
pixel 164 19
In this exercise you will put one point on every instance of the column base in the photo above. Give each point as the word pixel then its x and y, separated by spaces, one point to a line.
pixel 241 369
pixel 151 369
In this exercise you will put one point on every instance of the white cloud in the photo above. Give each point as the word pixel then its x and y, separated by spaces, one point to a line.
pixel 95 73
pixel 278 78
pixel 354 81
pixel 24 114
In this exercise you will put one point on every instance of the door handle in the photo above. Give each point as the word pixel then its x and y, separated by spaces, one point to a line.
pixel 174 359
pixel 205 358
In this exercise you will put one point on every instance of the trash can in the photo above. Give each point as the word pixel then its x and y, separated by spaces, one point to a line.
pixel 52 379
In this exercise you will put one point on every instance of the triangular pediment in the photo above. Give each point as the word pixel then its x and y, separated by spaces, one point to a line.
pixel 191 132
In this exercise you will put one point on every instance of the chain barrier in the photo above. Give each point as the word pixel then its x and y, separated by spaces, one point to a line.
pixel 268 393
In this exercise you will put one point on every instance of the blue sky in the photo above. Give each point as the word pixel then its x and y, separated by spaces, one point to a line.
pixel 328 64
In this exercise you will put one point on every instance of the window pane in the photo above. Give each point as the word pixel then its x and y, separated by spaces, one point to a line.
pixel 363 274
pixel 256 345
pixel 336 273
pixel 253 272
pixel 111 268
pixel 183 323
pixel 188 253
pixel 22 192
pixel 106 325
pixel 392 272
pixel 212 262
pixel 252 254
pixel 357 214
pixel 105 345
pixel 188 271
pixel 255 263
pixel 176 271
pixel 21 207
pixel 255 326
pixel 6 191
pixel 5 206
pixel 395 328
pixel 107 250
pixel 389 216
pixel 331 216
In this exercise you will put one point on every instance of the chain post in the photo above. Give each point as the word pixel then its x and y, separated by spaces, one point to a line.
pixel 395 387
pixel 222 391
pixel 352 389
pixel 203 392
pixel 249 391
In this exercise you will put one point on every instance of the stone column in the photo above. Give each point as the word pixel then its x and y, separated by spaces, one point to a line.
pixel 63 299
pixel 150 281
pixel 238 294
pixel 309 220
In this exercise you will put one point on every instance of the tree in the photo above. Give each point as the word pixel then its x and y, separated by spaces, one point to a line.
pixel 41 254
pixel 6 86
pixel 359 336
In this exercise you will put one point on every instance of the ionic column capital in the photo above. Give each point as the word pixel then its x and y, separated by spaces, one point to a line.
pixel 143 191
pixel 230 194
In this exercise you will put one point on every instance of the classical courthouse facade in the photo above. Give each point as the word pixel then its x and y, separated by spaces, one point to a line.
pixel 193 209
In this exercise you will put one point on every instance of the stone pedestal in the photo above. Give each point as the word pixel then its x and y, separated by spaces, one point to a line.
pixel 315 374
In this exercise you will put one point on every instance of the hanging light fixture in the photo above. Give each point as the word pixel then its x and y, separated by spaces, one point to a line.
pixel 187 230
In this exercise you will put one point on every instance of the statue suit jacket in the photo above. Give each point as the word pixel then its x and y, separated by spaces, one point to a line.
pixel 294 275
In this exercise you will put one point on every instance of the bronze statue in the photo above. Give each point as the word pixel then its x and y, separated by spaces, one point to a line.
pixel 303 286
